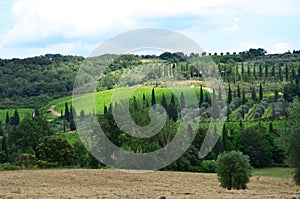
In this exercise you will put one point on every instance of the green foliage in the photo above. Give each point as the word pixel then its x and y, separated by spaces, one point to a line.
pixel 234 170
pixel 255 145
pixel 26 135
pixel 8 166
pixel 26 160
pixel 290 140
pixel 46 165
pixel 55 149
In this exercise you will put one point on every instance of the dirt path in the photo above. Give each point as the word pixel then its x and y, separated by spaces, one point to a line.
pixel 53 111
pixel 82 183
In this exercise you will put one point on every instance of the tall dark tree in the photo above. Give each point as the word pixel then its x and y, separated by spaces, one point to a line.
pixel 72 116
pixel 215 110
pixel 229 99
pixel 253 94
pixel 15 120
pixel 182 101
pixel 7 118
pixel 238 91
pixel 164 102
pixel 266 70
pixel 286 73
pixel 153 100
pixel 261 92
pixel 1 129
pixel 67 112
pixel 36 112
pixel 220 94
pixel 172 109
pixel 224 137
pixel 243 97
pixel 201 96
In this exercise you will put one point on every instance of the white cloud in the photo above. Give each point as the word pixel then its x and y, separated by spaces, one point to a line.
pixel 280 47
pixel 43 20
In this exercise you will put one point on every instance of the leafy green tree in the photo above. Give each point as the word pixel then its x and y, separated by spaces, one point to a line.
pixel 26 135
pixel 233 169
pixel 55 149
pixel 290 140
pixel 256 146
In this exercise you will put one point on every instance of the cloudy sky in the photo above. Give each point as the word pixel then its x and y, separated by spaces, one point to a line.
pixel 37 27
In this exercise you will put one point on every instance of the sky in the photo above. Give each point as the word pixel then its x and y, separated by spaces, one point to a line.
pixel 37 27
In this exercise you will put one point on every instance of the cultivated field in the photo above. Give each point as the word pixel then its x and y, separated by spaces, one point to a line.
pixel 83 183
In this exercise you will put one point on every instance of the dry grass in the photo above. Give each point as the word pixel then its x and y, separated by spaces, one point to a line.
pixel 81 183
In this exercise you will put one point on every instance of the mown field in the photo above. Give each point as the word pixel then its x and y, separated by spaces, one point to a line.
pixel 82 183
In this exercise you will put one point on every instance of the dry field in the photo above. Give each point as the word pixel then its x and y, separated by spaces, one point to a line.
pixel 81 183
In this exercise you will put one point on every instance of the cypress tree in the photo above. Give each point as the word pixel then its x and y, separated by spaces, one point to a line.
pixel 36 112
pixel 201 96
pixel 220 94
pixel 253 94
pixel 135 105
pixel 207 99
pixel 164 102
pixel 238 91
pixel 105 109
pixel 266 70
pixel 215 110
pixel 182 101
pixel 7 118
pixel 15 120
pixel 1 128
pixel 67 113
pixel 72 115
pixel 286 73
pixel 260 92
pixel 153 100
pixel 229 95
pixel 243 97
pixel 172 110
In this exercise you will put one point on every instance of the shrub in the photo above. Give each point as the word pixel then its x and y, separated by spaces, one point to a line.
pixel 208 166
pixel 26 160
pixel 233 169
pixel 45 164
pixel 8 166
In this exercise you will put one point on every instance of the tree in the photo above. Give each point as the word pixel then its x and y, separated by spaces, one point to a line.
pixel 1 129
pixel 260 92
pixel 253 94
pixel 15 119
pixel 7 118
pixel 67 113
pixel 26 135
pixel 244 97
pixel 164 102
pixel 172 110
pixel 153 100
pixel 182 101
pixel 238 92
pixel 201 96
pixel 256 146
pixel 233 169
pixel 55 149
pixel 72 115
pixel 290 140
pixel 220 94
pixel 36 112
pixel 229 99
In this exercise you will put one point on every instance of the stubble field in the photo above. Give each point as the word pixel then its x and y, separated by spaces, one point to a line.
pixel 83 183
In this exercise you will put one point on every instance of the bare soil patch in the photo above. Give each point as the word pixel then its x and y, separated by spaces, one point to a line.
pixel 84 183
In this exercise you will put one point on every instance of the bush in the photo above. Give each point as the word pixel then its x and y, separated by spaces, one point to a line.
pixel 208 166
pixel 8 166
pixel 45 164
pixel 233 169
pixel 26 160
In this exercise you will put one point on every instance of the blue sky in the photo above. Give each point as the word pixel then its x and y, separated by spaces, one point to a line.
pixel 36 27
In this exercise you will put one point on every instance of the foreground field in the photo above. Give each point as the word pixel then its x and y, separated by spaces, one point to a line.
pixel 83 183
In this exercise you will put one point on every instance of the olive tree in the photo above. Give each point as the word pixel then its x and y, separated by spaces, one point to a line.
pixel 233 169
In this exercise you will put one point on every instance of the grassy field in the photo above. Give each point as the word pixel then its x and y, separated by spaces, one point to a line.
pixel 22 113
pixel 104 98
pixel 98 183
pixel 275 172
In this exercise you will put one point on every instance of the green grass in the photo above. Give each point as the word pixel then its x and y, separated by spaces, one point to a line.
pixel 276 172
pixel 104 98
pixel 72 138
pixel 22 113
